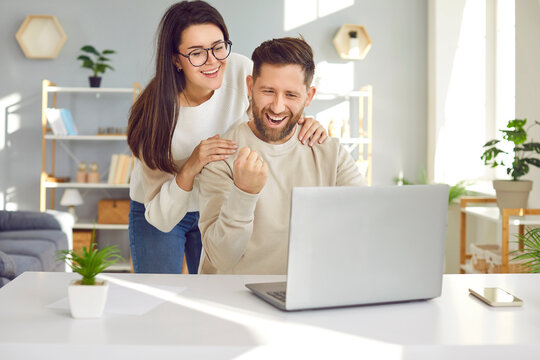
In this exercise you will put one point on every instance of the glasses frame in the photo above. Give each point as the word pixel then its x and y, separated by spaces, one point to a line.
pixel 228 42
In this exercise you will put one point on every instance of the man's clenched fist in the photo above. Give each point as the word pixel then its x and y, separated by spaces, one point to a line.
pixel 250 171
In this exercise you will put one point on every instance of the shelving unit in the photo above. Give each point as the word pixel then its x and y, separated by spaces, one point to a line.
pixel 514 217
pixel 49 141
pixel 363 139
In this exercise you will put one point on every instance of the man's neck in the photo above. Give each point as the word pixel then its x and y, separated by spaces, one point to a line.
pixel 253 128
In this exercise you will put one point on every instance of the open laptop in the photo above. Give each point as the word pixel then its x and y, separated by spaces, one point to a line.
pixel 362 245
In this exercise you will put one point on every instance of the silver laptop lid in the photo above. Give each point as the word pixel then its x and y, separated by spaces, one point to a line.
pixel 361 245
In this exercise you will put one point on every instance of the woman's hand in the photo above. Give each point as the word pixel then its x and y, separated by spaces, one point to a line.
pixel 209 150
pixel 311 130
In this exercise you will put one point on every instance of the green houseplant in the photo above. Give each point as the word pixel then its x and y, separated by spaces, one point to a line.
pixel 87 296
pixel 513 193
pixel 531 250
pixel 95 61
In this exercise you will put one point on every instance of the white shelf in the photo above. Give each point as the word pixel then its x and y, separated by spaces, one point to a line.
pixel 492 213
pixel 91 226
pixel 118 267
pixel 87 137
pixel 89 90
pixel 74 185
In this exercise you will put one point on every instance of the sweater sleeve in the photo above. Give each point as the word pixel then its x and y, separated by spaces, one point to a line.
pixel 165 202
pixel 226 216
pixel 348 173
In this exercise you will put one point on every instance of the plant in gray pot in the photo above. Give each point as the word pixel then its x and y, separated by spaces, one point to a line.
pixel 513 193
pixel 98 64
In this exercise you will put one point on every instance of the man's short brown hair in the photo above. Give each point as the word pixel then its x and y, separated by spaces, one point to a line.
pixel 285 51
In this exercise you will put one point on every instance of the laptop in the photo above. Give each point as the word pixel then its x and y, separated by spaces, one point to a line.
pixel 362 245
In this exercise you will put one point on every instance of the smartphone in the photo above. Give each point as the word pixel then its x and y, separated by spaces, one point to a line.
pixel 496 297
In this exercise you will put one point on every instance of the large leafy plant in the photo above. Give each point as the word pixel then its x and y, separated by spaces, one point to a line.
pixel 523 151
pixel 90 262
pixel 531 250
pixel 98 63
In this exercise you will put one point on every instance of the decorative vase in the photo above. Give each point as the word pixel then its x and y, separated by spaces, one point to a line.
pixel 87 301
pixel 512 194
pixel 95 81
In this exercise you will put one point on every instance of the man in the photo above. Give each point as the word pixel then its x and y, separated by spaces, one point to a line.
pixel 245 202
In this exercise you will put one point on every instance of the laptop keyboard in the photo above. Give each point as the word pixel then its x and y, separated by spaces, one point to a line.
pixel 280 295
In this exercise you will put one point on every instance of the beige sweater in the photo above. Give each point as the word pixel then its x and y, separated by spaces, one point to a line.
pixel 248 234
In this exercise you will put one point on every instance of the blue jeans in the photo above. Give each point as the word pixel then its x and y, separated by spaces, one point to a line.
pixel 153 251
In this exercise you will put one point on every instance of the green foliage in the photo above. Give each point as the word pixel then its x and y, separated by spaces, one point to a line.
pixel 517 135
pixel 90 262
pixel 531 250
pixel 98 63
pixel 455 191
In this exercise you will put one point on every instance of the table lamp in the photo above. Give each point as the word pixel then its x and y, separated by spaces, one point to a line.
pixel 71 198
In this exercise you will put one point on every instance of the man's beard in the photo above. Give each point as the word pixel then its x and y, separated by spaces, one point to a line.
pixel 270 134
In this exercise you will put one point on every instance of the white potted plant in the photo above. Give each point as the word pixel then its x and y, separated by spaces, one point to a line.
pixel 513 193
pixel 88 295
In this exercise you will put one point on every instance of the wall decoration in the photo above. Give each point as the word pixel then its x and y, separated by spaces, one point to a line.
pixel 41 37
pixel 352 42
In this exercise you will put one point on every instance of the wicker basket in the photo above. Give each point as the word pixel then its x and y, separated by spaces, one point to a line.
pixel 494 263
pixel 479 254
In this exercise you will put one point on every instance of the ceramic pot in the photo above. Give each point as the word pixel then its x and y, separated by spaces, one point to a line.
pixel 512 194
pixel 87 301
pixel 95 81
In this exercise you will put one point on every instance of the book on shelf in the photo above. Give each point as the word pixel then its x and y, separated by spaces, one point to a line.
pixel 120 169
pixel 61 121
pixel 69 124
pixel 55 121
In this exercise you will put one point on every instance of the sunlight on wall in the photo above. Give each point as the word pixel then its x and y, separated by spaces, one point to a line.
pixel 480 96
pixel 505 97
pixel 6 106
pixel 10 194
pixel 301 12
pixel 332 78
pixel 464 127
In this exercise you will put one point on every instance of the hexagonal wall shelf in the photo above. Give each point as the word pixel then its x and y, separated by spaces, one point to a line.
pixel 361 46
pixel 41 37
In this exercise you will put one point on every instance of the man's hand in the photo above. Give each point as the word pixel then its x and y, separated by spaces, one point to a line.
pixel 250 171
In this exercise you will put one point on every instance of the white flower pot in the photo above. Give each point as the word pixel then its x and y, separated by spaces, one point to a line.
pixel 512 194
pixel 87 301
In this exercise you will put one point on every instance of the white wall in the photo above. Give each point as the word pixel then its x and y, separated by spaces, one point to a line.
pixel 396 67
pixel 528 77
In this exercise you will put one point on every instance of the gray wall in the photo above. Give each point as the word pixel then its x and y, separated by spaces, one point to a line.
pixel 395 66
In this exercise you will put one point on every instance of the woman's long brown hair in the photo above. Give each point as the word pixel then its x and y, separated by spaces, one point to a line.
pixel 154 115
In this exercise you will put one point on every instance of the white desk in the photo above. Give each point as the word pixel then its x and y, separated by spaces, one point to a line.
pixel 216 317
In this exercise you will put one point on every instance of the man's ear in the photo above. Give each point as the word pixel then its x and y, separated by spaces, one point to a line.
pixel 310 94
pixel 249 83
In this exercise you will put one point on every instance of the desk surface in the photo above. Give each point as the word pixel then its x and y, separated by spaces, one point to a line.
pixel 216 317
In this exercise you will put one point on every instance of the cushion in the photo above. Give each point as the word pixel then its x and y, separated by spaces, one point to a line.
pixel 7 266
pixel 27 220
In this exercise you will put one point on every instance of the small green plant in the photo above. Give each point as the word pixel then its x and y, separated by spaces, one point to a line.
pixel 98 65
pixel 517 135
pixel 90 262
pixel 531 250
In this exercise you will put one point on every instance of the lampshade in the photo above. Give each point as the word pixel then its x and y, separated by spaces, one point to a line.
pixel 71 197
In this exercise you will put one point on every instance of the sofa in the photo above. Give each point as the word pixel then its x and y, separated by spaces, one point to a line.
pixel 29 241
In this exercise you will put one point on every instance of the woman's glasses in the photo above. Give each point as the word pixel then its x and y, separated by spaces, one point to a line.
pixel 198 57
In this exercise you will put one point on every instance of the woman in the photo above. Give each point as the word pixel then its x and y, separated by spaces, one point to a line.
pixel 198 92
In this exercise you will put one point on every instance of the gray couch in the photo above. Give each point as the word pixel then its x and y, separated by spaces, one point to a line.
pixel 29 241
